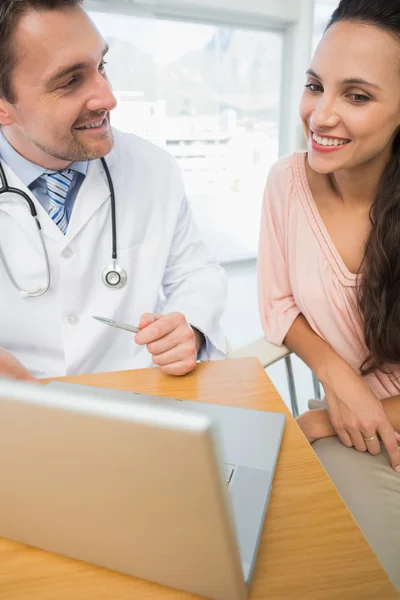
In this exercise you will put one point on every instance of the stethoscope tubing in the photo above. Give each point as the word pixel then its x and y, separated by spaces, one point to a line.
pixel 114 269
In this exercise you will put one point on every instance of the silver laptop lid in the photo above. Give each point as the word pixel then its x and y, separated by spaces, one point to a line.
pixel 118 483
pixel 249 444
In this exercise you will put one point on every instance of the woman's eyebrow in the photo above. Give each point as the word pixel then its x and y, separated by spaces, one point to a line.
pixel 348 80
pixel 360 81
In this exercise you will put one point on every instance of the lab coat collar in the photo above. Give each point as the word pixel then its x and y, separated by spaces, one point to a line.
pixel 18 208
pixel 26 170
pixel 92 195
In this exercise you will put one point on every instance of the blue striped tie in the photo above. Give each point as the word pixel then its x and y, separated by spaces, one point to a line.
pixel 58 185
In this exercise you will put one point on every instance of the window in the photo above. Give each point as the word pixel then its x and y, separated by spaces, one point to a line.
pixel 322 14
pixel 210 95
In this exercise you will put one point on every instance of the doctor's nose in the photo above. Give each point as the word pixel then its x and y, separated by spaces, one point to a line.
pixel 102 97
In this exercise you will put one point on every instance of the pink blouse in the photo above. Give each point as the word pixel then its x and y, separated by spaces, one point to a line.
pixel 301 271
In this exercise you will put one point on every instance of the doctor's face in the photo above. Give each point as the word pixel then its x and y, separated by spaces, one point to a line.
pixel 62 97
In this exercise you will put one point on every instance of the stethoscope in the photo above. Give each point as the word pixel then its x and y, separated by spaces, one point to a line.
pixel 113 275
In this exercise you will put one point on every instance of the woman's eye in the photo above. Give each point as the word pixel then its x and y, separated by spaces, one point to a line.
pixel 102 66
pixel 314 87
pixel 359 98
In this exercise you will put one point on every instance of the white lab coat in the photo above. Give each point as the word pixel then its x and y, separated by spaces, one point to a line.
pixel 158 245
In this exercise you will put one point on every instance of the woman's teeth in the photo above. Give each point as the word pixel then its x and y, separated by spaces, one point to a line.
pixel 325 141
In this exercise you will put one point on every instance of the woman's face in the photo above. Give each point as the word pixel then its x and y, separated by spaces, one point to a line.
pixel 350 107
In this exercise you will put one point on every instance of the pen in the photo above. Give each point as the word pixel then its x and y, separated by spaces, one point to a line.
pixel 112 323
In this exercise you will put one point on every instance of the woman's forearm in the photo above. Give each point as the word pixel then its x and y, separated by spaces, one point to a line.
pixel 313 350
pixel 391 407
pixel 316 424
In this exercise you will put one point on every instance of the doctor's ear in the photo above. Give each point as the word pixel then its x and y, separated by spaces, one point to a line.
pixel 6 113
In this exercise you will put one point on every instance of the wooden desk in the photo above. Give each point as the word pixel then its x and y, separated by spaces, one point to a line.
pixel 311 547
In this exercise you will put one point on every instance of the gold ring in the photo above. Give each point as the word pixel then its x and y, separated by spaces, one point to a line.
pixel 370 439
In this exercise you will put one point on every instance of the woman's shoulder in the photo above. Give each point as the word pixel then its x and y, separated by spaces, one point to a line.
pixel 286 168
pixel 282 185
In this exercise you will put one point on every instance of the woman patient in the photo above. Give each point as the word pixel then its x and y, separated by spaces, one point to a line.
pixel 329 262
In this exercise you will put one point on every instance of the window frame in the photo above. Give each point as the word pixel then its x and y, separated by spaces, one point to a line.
pixel 294 19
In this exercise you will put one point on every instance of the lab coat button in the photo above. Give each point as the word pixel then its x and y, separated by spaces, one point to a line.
pixel 67 253
pixel 73 319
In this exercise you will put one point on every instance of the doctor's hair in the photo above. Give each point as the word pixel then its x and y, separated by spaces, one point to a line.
pixel 378 289
pixel 11 11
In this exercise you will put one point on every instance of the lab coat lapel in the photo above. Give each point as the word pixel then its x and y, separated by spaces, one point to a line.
pixel 93 194
pixel 19 210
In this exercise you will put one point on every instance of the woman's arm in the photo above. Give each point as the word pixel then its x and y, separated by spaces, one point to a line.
pixel 391 406
pixel 354 412
pixel 316 424
pixel 313 350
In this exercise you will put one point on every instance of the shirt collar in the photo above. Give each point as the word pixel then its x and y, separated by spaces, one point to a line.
pixel 26 170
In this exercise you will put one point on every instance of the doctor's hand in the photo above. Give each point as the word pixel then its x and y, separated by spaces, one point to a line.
pixel 11 368
pixel 171 341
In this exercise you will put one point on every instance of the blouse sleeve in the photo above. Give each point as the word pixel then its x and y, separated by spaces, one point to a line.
pixel 277 307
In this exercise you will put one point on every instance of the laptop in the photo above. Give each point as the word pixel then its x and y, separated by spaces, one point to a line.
pixel 166 490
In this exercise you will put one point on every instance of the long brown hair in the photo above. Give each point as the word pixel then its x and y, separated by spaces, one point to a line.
pixel 379 287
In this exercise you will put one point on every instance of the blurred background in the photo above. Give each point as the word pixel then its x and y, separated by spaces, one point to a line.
pixel 217 83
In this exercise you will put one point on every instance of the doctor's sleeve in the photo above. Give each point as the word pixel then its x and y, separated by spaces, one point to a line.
pixel 277 307
pixel 195 285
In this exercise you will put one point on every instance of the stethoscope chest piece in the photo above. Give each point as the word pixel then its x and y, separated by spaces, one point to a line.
pixel 114 276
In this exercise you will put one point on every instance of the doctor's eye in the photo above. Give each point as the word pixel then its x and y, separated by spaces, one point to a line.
pixel 102 66
pixel 69 83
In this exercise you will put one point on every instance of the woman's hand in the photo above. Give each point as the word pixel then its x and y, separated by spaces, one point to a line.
pixel 11 368
pixel 357 415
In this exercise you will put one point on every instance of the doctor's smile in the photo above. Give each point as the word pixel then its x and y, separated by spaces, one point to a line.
pixel 95 126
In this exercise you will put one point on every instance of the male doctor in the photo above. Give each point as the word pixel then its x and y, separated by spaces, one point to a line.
pixel 55 103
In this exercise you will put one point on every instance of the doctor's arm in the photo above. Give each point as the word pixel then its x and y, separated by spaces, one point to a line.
pixel 195 290
pixel 11 368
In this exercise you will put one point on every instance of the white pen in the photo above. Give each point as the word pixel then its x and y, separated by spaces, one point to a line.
pixel 112 323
